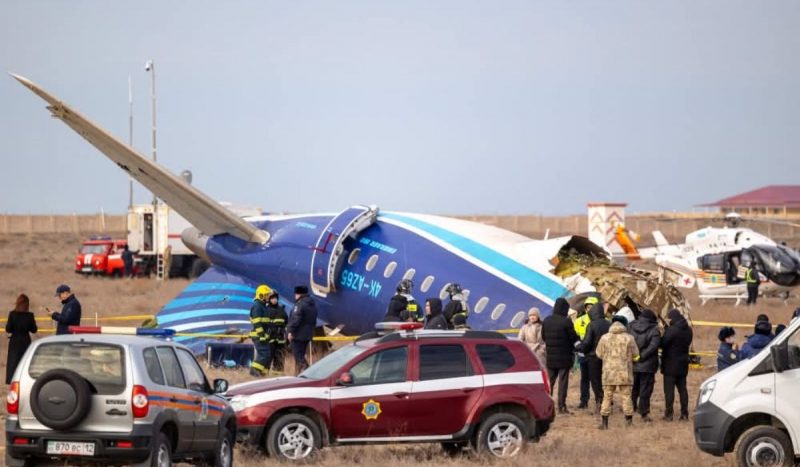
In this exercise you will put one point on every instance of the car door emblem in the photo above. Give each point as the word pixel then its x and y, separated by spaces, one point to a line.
pixel 371 410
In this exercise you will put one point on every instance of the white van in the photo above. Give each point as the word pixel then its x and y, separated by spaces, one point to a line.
pixel 753 407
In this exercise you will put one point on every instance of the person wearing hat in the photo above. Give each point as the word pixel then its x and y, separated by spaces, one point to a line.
pixel 398 303
pixel 618 351
pixel 70 314
pixel 758 341
pixel 580 323
pixel 531 335
pixel 648 338
pixel 559 338
pixel 259 334
pixel 675 347
pixel 301 325
pixel 728 352
pixel 596 329
pixel 277 330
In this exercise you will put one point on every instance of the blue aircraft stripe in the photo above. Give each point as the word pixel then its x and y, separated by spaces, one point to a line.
pixel 211 331
pixel 201 286
pixel 504 264
pixel 210 299
pixel 193 315
pixel 224 291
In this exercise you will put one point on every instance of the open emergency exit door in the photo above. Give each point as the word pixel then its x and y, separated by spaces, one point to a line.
pixel 330 245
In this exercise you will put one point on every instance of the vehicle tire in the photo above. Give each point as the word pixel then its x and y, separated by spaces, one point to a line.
pixel 501 435
pixel 223 455
pixel 299 435
pixel 198 267
pixel 160 453
pixel 454 449
pixel 60 399
pixel 764 445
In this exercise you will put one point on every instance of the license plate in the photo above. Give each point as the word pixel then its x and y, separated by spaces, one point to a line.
pixel 68 448
pixel 87 269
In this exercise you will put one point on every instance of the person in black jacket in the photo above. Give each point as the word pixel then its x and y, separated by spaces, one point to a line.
pixel 648 338
pixel 20 325
pixel 70 314
pixel 397 304
pixel 675 362
pixel 277 331
pixel 301 325
pixel 560 339
pixel 598 327
pixel 433 312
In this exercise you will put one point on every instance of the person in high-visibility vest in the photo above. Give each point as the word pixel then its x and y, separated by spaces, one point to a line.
pixel 753 282
pixel 260 321
pixel 580 324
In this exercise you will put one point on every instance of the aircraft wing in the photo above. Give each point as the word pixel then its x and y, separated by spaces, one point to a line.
pixel 195 206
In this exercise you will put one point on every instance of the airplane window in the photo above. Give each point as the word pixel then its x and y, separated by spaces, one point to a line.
pixel 498 310
pixel 371 262
pixel 466 293
pixel 443 293
pixel 387 273
pixel 426 284
pixel 409 274
pixel 353 256
pixel 517 320
pixel 481 304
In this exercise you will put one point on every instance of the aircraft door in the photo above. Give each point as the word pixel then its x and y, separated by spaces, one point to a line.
pixel 147 232
pixel 330 245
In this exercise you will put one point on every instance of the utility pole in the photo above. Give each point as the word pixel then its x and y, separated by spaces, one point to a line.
pixel 150 66
pixel 130 137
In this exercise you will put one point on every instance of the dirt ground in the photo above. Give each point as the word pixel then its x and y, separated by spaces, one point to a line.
pixel 36 264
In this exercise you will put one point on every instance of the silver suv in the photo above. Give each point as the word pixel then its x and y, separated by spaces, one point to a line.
pixel 112 399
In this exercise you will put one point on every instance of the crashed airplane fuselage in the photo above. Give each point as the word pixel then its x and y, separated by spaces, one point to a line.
pixel 351 261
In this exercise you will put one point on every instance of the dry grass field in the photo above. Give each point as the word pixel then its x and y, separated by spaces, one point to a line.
pixel 36 264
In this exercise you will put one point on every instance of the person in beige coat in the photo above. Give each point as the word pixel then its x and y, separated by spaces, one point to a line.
pixel 531 334
pixel 618 350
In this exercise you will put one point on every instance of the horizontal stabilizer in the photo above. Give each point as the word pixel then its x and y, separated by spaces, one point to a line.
pixel 195 206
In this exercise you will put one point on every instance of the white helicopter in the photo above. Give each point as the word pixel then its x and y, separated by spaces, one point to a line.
pixel 715 260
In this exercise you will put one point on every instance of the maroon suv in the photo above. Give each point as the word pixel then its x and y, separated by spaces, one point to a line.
pixel 460 388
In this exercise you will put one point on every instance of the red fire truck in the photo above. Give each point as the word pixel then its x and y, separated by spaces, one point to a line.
pixel 101 256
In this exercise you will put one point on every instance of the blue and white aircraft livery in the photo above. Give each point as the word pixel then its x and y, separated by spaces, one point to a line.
pixel 351 261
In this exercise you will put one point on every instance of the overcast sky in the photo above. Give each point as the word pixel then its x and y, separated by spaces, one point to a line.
pixel 439 107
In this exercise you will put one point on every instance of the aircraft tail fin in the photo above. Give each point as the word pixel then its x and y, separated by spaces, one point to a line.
pixel 660 239
pixel 195 206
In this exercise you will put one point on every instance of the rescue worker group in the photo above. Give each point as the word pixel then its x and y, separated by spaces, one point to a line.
pixel 615 354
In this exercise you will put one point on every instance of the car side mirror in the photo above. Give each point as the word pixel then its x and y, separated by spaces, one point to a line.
pixel 780 357
pixel 346 379
pixel 220 386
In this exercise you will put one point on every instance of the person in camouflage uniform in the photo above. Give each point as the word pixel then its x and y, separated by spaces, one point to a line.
pixel 618 350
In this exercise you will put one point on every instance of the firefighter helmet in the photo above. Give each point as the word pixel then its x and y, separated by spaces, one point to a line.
pixel 262 292
pixel 405 286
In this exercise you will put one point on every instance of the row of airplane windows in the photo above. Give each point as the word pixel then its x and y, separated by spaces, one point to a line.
pixel 427 283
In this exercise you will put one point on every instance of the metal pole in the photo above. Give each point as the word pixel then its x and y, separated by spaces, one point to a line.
pixel 150 66
pixel 130 137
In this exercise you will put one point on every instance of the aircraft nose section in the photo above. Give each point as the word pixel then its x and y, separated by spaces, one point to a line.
pixel 196 241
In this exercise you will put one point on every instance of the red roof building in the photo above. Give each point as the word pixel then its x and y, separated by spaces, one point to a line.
pixel 772 200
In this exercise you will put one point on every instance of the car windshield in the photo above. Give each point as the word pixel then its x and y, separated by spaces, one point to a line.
pixel 325 367
pixel 101 364
pixel 93 249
